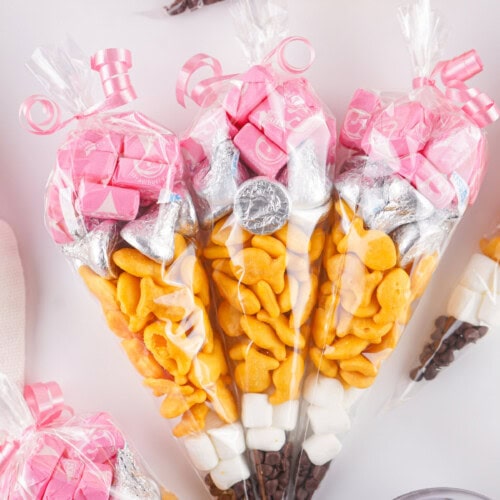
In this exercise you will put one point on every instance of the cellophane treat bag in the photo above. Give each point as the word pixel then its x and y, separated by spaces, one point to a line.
pixel 410 165
pixel 180 6
pixel 49 452
pixel 473 308
pixel 260 157
pixel 118 207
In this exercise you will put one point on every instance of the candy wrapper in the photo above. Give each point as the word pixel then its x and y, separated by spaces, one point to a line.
pixel 261 158
pixel 118 207
pixel 411 165
pixel 473 308
pixel 180 6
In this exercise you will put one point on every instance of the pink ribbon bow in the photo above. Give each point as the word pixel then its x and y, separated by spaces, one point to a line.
pixel 204 94
pixel 453 74
pixel 113 66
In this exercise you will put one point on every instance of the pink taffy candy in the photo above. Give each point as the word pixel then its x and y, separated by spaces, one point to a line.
pixel 95 483
pixel 247 92
pixel 398 130
pixel 259 154
pixel 90 139
pixel 151 147
pixel 108 202
pixel 64 481
pixel 361 108
pixel 429 181
pixel 94 166
pixel 54 216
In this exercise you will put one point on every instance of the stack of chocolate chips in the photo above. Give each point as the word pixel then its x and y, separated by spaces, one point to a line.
pixel 273 471
pixel 450 335
pixel 309 477
pixel 239 491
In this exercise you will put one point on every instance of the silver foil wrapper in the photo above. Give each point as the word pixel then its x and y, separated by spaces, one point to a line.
pixel 95 248
pixel 307 180
pixel 215 182
pixel 130 482
pixel 262 206
pixel 153 233
pixel 187 222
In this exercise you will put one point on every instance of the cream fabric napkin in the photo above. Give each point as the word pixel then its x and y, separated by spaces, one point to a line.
pixel 12 307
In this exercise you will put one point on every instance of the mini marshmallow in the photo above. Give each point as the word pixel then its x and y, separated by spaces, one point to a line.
pixel 479 273
pixel 201 451
pixel 229 472
pixel 463 304
pixel 323 391
pixel 285 415
pixel 266 439
pixel 489 311
pixel 321 448
pixel 328 420
pixel 228 440
pixel 256 411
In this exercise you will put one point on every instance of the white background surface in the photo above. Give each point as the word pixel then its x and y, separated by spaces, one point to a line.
pixel 449 434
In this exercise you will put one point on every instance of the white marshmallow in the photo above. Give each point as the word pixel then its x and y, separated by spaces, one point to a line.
pixel 212 420
pixel 201 451
pixel 328 420
pixel 256 411
pixel 489 311
pixel 322 448
pixel 479 273
pixel 323 391
pixel 230 472
pixel 228 440
pixel 285 415
pixel 463 304
pixel 351 396
pixel 266 439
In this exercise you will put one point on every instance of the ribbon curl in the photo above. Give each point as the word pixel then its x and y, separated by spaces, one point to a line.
pixel 113 66
pixel 453 74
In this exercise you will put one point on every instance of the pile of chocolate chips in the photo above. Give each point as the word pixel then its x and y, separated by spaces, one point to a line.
pixel 450 335
pixel 309 477
pixel 239 491
pixel 273 471
pixel 179 6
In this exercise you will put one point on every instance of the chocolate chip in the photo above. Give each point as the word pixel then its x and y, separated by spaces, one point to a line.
pixel 460 343
pixel 440 321
pixel 417 374
pixel 258 456
pixel 273 458
pixel 318 472
pixel 284 478
pixel 431 372
pixel 287 450
pixel 482 330
pixel 271 486
pixel 302 494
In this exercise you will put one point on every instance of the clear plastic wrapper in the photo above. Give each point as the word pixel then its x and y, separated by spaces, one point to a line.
pixel 473 308
pixel 261 157
pixel 410 166
pixel 119 209
pixel 180 6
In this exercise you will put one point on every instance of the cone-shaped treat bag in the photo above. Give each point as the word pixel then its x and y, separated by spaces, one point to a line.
pixel 411 165
pixel 260 157
pixel 472 309
pixel 118 207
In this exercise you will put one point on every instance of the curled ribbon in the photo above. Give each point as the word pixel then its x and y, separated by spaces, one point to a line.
pixel 113 66
pixel 204 94
pixel 453 74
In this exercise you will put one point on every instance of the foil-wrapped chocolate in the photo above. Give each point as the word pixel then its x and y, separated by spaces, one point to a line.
pixel 215 182
pixel 262 206
pixel 130 481
pixel 74 222
pixel 187 222
pixel 307 181
pixel 153 233
pixel 95 248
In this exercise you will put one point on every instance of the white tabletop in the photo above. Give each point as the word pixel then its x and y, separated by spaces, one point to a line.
pixel 446 436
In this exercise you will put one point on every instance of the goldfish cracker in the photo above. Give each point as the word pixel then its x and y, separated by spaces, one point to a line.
pixel 251 265
pixel 375 248
pixel 206 369
pixel 367 329
pixel 307 297
pixel 263 336
pixel 289 336
pixel 351 304
pixel 323 329
pixel 294 239
pixel 224 234
pixel 223 402
pixel 133 262
pixel 317 244
pixel 359 364
pixel 271 245
pixel 216 252
pixel 345 348
pixel 298 266
pixel 252 375
pixel 239 351
pixel 199 321
pixel 326 288
pixel 337 234
pixel 267 298
pixel 192 422
pixel 238 295
pixel 344 210
pixel 491 248
pixel 327 367
pixel 149 301
pixel 128 292
pixel 177 402
pixel 141 358
pixel 194 276
pixel 421 274
pixel 224 266
pixel 286 379
pixel 356 379
pixel 393 295
pixel 229 319
pixel 103 289
pixel 118 323
pixel 156 342
pixel 288 297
